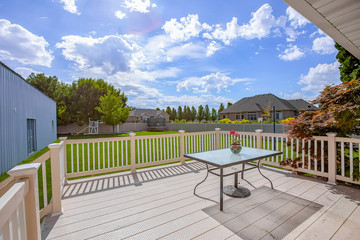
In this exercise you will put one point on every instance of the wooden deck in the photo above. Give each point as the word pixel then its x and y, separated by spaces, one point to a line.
pixel 158 203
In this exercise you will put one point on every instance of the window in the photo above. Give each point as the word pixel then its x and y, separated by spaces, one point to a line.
pixel 224 116
pixel 252 116
pixel 279 116
pixel 31 135
pixel 238 116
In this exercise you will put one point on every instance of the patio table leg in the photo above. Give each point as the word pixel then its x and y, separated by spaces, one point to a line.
pixel 221 188
pixel 258 165
pixel 236 180
pixel 242 173
pixel 207 174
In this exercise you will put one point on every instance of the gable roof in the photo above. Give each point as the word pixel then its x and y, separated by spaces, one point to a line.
pixel 264 101
pixel 149 112
pixel 301 104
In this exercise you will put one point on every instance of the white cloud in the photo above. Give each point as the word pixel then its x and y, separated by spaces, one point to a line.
pixel 319 76
pixel 212 48
pixel 189 50
pixel 69 6
pixel 120 15
pixel 291 53
pixel 214 81
pixel 296 19
pixel 142 6
pixel 24 71
pixel 324 45
pixel 259 26
pixel 297 95
pixel 18 44
pixel 109 54
pixel 184 29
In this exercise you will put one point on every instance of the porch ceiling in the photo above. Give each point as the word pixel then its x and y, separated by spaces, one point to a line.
pixel 340 19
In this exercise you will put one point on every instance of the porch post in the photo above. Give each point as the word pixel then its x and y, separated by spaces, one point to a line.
pixel 182 146
pixel 32 197
pixel 132 152
pixel 331 158
pixel 56 178
pixel 217 137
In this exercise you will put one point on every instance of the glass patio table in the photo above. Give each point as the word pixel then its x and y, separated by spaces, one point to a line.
pixel 224 158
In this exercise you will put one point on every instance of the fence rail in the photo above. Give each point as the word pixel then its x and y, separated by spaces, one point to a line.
pixel 325 156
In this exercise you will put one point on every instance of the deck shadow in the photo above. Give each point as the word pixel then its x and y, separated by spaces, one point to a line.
pixel 104 183
pixel 272 214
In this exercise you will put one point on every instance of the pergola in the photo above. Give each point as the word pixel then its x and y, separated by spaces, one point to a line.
pixel 340 19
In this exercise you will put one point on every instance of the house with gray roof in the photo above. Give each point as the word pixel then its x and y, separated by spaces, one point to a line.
pixel 252 108
pixel 142 115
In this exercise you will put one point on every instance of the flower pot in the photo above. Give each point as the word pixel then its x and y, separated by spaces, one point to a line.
pixel 235 148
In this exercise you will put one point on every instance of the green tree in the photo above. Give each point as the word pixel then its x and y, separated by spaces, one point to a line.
pixel 168 111
pixel 221 108
pixel 193 114
pixel 185 113
pixel 213 114
pixel 56 90
pixel 207 113
pixel 173 114
pixel 180 113
pixel 84 98
pixel 349 65
pixel 112 110
pixel 188 113
pixel 229 104
pixel 200 115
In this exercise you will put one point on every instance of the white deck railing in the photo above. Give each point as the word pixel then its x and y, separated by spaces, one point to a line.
pixel 84 157
pixel 12 212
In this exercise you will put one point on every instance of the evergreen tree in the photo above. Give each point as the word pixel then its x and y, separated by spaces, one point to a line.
pixel 229 104
pixel 349 65
pixel 207 113
pixel 193 113
pixel 168 111
pixel 180 113
pixel 213 115
pixel 200 115
pixel 221 108
pixel 173 114
pixel 188 113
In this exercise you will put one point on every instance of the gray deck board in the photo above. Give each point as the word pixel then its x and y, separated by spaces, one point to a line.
pixel 158 203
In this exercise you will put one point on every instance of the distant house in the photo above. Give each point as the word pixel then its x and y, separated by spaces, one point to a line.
pixel 27 119
pixel 142 115
pixel 252 108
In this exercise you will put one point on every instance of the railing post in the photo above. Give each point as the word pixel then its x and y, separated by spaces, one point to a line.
pixel 217 138
pixel 259 141
pixel 132 152
pixel 258 138
pixel 63 139
pixel 331 158
pixel 56 181
pixel 182 146
pixel 31 199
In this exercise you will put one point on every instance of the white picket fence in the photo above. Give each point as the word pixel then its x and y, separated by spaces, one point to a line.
pixel 83 157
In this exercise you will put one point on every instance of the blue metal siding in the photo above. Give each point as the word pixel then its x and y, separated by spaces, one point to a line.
pixel 18 102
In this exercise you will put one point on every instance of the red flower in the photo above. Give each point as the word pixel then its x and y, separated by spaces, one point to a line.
pixel 232 132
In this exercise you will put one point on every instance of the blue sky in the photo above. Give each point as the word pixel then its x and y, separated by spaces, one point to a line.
pixel 170 53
